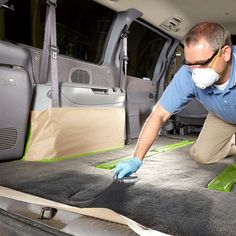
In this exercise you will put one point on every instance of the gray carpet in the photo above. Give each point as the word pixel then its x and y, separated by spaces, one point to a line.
pixel 170 196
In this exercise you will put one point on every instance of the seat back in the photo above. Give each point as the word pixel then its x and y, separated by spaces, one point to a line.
pixel 194 114
pixel 15 99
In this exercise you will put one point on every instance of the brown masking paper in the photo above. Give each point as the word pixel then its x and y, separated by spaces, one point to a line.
pixel 67 132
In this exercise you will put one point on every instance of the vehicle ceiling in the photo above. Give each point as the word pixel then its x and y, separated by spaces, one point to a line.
pixel 157 12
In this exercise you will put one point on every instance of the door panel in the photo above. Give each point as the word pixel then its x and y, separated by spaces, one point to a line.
pixel 140 101
pixel 146 48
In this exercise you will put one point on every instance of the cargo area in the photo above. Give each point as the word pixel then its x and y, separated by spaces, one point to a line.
pixel 78 81
pixel 170 196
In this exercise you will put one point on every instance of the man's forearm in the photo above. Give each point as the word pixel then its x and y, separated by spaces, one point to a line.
pixel 150 131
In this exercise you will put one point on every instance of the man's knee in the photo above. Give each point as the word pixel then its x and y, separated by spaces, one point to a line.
pixel 200 158
pixel 203 156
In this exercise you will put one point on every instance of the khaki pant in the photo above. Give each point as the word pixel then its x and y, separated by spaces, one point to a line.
pixel 215 142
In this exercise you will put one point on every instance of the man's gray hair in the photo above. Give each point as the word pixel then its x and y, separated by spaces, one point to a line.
pixel 215 34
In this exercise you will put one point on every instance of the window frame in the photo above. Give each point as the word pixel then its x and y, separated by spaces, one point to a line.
pixel 165 49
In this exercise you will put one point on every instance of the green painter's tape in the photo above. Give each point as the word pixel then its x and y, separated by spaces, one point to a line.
pixel 28 137
pixel 112 164
pixel 62 158
pixel 225 180
pixel 173 146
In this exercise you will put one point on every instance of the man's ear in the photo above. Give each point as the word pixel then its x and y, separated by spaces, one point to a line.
pixel 226 52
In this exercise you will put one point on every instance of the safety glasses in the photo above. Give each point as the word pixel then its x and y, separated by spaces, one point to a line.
pixel 204 62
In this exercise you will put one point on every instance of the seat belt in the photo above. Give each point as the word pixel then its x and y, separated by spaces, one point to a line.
pixel 123 78
pixel 50 49
pixel 124 57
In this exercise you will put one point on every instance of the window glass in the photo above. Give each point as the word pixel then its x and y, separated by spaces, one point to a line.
pixel 144 48
pixel 82 26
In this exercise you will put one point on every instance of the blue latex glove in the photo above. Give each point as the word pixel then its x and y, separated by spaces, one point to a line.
pixel 126 168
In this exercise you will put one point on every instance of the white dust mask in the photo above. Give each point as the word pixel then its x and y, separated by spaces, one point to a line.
pixel 204 77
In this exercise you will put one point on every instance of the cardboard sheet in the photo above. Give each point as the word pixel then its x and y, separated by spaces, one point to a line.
pixel 70 132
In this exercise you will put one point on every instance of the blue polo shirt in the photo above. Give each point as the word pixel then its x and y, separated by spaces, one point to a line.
pixel 182 90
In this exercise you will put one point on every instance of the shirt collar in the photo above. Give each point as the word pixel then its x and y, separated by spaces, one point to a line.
pixel 232 78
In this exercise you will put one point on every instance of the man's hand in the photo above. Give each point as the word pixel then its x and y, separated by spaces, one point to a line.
pixel 126 168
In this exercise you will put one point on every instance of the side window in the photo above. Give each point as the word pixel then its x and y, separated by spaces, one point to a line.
pixel 144 47
pixel 82 26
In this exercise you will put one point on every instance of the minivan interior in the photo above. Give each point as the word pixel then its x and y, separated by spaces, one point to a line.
pixel 78 80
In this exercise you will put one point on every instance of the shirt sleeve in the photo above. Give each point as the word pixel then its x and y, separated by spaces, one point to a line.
pixel 179 92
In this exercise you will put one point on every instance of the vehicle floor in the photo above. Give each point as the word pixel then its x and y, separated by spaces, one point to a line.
pixel 171 194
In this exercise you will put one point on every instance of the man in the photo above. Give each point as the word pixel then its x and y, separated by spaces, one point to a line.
pixel 209 74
